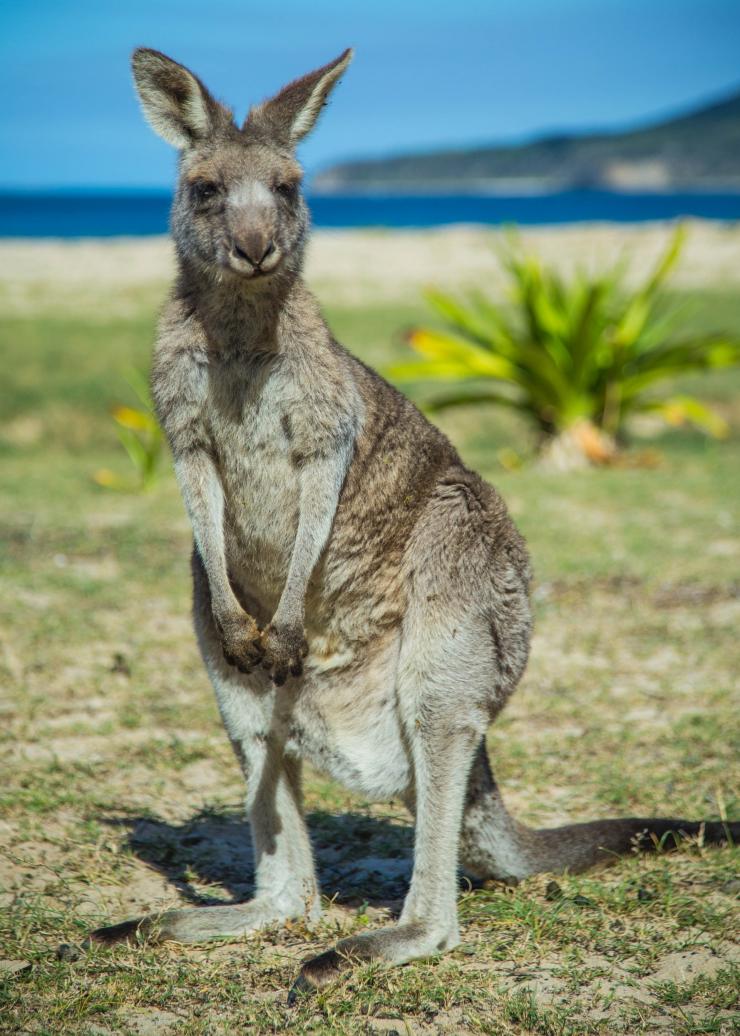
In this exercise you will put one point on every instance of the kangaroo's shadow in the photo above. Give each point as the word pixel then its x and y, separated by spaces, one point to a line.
pixel 359 859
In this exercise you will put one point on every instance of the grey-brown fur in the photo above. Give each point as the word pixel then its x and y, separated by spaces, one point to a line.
pixel 360 597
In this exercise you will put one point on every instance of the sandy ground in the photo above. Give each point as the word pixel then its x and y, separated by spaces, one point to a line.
pixel 353 266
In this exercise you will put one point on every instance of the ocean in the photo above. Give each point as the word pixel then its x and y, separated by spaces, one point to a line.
pixel 115 214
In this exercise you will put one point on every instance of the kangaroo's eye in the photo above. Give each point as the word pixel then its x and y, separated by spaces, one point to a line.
pixel 205 190
pixel 285 190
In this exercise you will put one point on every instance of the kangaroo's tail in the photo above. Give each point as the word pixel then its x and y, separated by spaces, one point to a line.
pixel 495 845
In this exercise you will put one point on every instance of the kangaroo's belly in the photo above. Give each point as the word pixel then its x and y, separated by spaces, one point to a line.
pixel 346 721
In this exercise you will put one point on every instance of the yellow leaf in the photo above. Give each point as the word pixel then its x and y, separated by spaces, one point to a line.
pixel 136 420
pixel 509 459
pixel 105 477
pixel 685 409
pixel 436 345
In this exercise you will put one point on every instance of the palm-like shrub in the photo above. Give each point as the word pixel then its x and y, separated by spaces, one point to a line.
pixel 584 353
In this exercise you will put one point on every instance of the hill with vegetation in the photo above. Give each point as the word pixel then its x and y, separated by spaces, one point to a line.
pixel 700 149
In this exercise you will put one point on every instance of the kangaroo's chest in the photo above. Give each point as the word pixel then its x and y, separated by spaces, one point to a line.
pixel 250 424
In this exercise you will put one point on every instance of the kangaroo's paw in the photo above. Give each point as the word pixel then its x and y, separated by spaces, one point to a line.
pixel 284 648
pixel 240 641
pixel 198 924
pixel 394 945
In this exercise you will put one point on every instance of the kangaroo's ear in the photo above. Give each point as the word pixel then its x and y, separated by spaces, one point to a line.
pixel 292 113
pixel 176 104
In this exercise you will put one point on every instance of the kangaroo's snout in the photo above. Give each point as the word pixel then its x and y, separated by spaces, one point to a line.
pixel 254 246
pixel 252 228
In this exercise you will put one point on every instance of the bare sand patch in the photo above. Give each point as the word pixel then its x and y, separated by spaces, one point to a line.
pixel 113 277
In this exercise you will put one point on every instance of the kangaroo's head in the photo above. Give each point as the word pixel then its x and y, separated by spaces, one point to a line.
pixel 238 208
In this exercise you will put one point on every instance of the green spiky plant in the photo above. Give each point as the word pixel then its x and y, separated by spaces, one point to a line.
pixel 141 436
pixel 578 356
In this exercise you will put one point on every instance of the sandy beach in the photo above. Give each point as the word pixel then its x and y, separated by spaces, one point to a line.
pixel 357 266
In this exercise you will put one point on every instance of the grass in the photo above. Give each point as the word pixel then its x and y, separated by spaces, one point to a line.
pixel 119 793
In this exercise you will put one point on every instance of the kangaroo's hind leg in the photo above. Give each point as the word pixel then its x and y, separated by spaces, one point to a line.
pixel 443 733
pixel 285 878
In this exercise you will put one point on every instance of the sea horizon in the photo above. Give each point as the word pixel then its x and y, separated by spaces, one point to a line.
pixel 78 212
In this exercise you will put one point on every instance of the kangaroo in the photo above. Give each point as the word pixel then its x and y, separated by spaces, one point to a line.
pixel 360 596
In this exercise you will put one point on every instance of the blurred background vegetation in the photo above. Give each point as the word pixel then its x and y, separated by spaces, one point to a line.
pixel 576 357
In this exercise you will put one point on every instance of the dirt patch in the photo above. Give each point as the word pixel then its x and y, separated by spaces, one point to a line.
pixel 149 1022
pixel 687 965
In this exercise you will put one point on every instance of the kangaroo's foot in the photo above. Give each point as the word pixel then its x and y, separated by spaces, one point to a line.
pixel 393 945
pixel 202 924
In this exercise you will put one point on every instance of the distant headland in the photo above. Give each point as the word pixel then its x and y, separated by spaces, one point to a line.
pixel 699 150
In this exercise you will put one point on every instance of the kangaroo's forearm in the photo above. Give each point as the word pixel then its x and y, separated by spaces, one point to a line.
pixel 320 485
pixel 204 500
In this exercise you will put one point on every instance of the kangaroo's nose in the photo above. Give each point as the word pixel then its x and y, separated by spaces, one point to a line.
pixel 253 247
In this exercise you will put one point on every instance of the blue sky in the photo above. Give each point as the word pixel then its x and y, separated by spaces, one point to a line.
pixel 425 74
